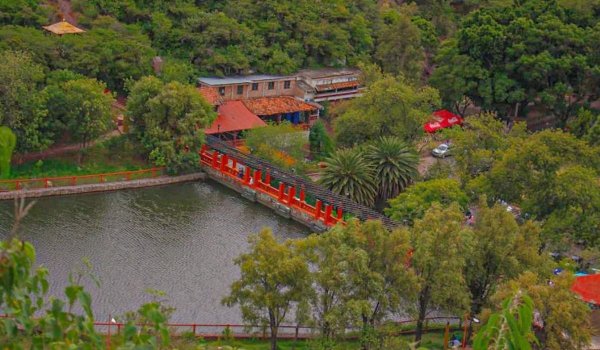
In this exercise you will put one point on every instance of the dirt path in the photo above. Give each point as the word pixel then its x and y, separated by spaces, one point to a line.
pixel 64 11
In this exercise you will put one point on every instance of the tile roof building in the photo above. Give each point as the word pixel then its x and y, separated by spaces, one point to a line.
pixel 233 117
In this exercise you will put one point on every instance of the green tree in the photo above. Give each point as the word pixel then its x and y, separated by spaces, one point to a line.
pixel 395 166
pixel 418 198
pixel 586 125
pixel 22 105
pixel 320 143
pixel 8 142
pixel 348 173
pixel 502 249
pixel 390 107
pixel 564 319
pixel 504 58
pixel 180 71
pixel 274 278
pixel 401 54
pixel 81 108
pixel 441 248
pixel 170 119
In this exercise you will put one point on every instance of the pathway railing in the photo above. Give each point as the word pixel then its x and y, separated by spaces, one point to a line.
pixel 62 181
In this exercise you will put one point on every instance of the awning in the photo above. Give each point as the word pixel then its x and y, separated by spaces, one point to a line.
pixel 234 116
pixel 341 85
pixel 588 287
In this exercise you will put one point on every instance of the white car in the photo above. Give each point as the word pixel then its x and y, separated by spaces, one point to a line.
pixel 441 151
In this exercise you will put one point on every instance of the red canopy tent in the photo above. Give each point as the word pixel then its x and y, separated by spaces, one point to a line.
pixel 442 119
pixel 588 287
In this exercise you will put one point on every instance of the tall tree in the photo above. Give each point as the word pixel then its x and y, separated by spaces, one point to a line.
pixel 320 143
pixel 395 165
pixel 274 277
pixel 22 105
pixel 348 173
pixel 390 107
pixel 441 249
pixel 170 119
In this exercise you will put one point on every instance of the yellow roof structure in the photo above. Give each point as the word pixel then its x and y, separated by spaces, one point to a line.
pixel 63 27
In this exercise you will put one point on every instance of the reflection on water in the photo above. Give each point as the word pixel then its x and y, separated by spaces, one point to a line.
pixel 180 239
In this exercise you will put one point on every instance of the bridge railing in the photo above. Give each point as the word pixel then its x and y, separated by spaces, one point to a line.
pixel 62 181
pixel 325 196
pixel 257 181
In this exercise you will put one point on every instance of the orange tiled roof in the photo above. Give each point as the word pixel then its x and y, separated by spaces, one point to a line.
pixel 234 116
pixel 63 27
pixel 277 105
pixel 333 86
pixel 211 95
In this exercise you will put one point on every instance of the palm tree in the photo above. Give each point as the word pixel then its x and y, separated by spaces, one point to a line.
pixel 348 173
pixel 395 165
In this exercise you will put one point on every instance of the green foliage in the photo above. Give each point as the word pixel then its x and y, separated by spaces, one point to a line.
pixel 24 12
pixel 395 166
pixel 390 107
pixel 401 54
pixel 320 143
pixel 509 329
pixel 274 277
pixel 22 105
pixel 348 173
pixel 8 142
pixel 169 118
pixel 441 246
pixel 282 144
pixel 418 198
pixel 586 125
pixel 533 52
pixel 565 318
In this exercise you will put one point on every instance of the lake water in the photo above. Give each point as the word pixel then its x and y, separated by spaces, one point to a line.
pixel 180 239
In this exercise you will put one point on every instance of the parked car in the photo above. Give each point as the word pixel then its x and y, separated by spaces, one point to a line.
pixel 442 119
pixel 441 151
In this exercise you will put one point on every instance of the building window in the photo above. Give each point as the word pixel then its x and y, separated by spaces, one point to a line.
pixel 222 91
pixel 271 85
pixel 240 89
pixel 287 84
pixel 254 86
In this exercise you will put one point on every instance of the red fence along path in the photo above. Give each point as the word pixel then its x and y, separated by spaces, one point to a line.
pixel 62 181
pixel 255 180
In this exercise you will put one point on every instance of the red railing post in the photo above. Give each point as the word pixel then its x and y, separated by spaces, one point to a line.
pixel 17 185
pixel 224 162
pixel 101 178
pixel 328 210
pixel 128 176
pixel 74 181
pixel 194 329
pixel 281 191
pixel 247 176
pixel 318 209
pixel 153 172
pixel 302 196
pixel 234 166
pixel 46 183
pixel 214 159
pixel 339 213
pixel 268 178
pixel 291 194
pixel 257 178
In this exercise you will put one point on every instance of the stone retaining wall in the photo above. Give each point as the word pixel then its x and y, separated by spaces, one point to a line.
pixel 101 187
pixel 266 200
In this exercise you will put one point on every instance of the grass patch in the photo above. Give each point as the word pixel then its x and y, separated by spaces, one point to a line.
pixel 116 154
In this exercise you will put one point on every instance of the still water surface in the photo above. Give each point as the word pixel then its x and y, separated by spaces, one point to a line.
pixel 180 239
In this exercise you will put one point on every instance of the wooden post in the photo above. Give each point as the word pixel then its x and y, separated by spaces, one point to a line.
pixel 281 191
pixel 291 194
pixel 318 209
